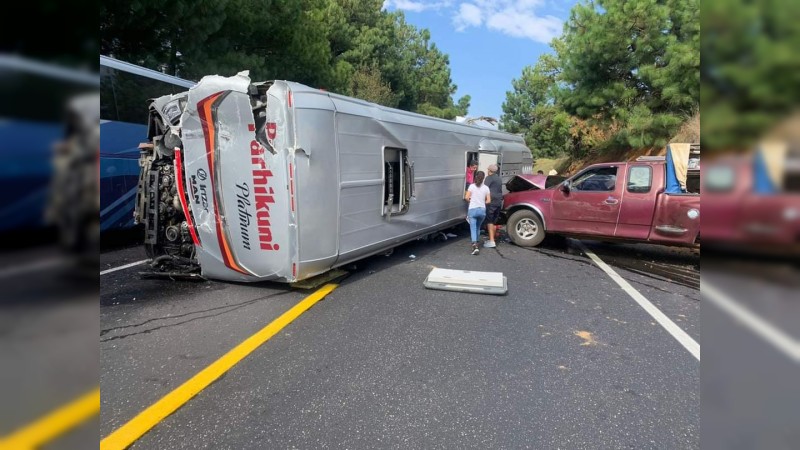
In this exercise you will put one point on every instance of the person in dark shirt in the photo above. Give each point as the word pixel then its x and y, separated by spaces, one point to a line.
pixel 495 184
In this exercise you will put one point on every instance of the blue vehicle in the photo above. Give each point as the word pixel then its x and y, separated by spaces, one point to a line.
pixel 124 91
pixel 33 111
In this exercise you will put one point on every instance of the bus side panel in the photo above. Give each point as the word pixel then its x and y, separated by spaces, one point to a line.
pixel 439 172
pixel 438 159
pixel 515 157
pixel 316 178
pixel 361 183
pixel 366 134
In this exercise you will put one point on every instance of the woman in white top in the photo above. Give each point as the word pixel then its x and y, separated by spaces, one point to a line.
pixel 478 196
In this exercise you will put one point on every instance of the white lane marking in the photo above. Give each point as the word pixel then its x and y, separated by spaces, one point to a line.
pixel 126 266
pixel 681 336
pixel 34 266
pixel 756 324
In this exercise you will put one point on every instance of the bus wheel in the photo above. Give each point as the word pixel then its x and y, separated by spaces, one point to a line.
pixel 525 228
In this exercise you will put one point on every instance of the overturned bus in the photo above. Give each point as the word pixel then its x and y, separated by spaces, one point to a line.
pixel 278 181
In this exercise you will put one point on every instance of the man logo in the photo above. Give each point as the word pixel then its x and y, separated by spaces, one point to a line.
pixel 198 190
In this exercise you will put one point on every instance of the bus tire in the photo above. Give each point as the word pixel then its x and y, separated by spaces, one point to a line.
pixel 525 228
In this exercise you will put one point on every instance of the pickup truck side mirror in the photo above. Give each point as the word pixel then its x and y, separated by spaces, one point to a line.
pixel 566 186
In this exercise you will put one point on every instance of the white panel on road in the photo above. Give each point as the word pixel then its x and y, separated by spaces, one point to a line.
pixel 467 281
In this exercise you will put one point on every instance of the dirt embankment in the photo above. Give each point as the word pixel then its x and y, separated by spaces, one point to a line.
pixel 566 166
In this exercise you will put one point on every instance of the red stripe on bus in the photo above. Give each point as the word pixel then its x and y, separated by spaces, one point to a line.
pixel 209 132
pixel 182 196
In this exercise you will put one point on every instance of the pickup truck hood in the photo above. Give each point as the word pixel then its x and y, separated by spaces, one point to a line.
pixel 528 182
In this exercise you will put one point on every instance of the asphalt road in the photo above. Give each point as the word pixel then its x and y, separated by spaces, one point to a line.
pixel 749 384
pixel 48 339
pixel 566 360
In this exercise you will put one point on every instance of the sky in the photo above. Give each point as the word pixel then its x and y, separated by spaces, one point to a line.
pixel 488 41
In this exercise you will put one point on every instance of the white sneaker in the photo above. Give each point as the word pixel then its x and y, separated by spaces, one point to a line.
pixel 489 244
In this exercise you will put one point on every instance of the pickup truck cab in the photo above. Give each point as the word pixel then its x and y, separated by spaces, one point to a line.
pixel 625 201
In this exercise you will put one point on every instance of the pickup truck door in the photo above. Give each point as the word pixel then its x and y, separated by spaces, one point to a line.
pixel 638 203
pixel 591 205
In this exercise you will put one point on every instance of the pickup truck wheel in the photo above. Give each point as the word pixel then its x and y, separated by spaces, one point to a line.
pixel 525 228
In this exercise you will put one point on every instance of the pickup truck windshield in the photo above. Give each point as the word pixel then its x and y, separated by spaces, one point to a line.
pixel 600 179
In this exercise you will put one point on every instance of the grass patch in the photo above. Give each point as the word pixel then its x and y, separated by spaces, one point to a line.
pixel 547 164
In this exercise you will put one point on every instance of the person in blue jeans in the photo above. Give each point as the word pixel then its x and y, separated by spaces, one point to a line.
pixel 478 196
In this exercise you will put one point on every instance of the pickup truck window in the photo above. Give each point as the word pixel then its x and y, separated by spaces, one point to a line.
pixel 693 182
pixel 602 179
pixel 719 179
pixel 640 179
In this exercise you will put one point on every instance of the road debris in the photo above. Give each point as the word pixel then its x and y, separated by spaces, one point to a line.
pixel 587 337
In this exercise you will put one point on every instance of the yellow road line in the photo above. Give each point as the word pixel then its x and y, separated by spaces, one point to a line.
pixel 127 434
pixel 54 424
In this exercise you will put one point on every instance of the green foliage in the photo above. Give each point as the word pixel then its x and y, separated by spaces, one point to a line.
pixel 531 109
pixel 623 73
pixel 367 84
pixel 634 62
pixel 750 71
pixel 153 32
pixel 462 107
pixel 351 47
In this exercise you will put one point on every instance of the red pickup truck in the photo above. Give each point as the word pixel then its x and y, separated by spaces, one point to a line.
pixel 610 201
pixel 751 206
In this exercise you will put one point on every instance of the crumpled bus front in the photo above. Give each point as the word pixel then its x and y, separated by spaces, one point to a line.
pixel 214 190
